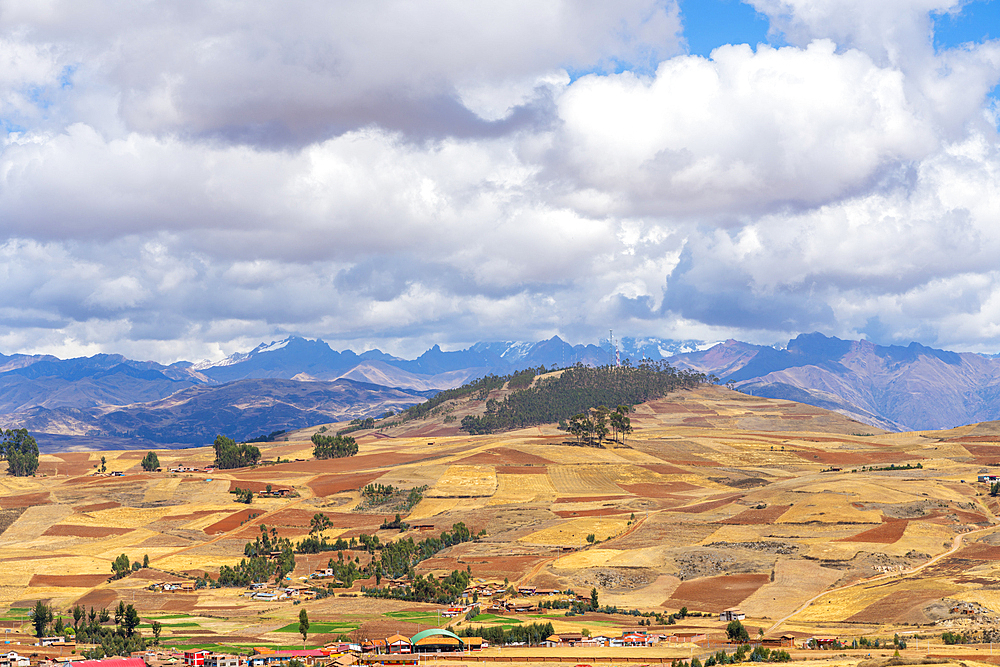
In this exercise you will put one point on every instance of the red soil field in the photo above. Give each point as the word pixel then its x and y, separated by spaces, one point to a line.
pixel 85 531
pixel 588 499
pixel 503 456
pixel 367 522
pixel 984 454
pixel 97 507
pixel 888 533
pixel 900 607
pixel 754 517
pixel 970 517
pixel 290 517
pixel 25 500
pixel 100 598
pixel 707 506
pixel 979 551
pixel 715 593
pixel 522 470
pixel 604 511
pixel 327 485
pixel 181 603
pixel 230 522
pixel 512 567
pixel 654 490
pixel 662 468
pixel 69 580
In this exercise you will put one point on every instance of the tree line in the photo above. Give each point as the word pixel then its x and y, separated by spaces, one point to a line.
pixel 333 446
pixel 229 455
pixel 576 391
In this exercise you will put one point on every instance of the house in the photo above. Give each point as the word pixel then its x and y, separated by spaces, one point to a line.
pixel 687 637
pixel 187 586
pixel 397 643
pixel 223 660
pixel 732 614
pixel 564 639
pixel 373 646
pixel 12 659
pixel 526 590
pixel 322 573
pixel 784 641
pixel 452 612
pixel 635 639
pixel 522 608
pixel 824 642
pixel 989 478
pixel 474 643
pixel 195 658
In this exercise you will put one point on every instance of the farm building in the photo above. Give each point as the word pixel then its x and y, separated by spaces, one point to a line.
pixel 732 614
pixel 564 639
pixel 437 641
pixel 989 478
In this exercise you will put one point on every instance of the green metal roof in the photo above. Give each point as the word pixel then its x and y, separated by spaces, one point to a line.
pixel 434 631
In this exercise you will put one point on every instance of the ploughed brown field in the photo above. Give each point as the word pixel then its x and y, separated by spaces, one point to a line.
pixel 716 500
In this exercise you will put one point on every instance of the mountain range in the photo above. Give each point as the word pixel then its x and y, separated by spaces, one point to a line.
pixel 108 401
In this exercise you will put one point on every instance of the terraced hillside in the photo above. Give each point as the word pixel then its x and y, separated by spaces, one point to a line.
pixel 716 500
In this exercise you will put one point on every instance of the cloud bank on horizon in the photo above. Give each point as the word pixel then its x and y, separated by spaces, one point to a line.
pixel 186 179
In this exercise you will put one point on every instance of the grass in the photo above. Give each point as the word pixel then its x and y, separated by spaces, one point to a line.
pixel 15 614
pixel 411 614
pixel 493 618
pixel 192 624
pixel 321 628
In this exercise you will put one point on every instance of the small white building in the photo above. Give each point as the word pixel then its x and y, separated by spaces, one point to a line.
pixel 732 614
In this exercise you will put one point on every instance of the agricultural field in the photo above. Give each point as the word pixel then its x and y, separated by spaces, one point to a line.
pixel 811 523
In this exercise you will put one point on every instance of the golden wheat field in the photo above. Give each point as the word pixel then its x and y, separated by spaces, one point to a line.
pixel 808 531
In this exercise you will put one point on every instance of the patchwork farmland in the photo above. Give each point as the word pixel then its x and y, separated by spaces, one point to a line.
pixel 809 522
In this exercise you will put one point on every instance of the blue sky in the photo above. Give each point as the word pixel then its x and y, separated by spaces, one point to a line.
pixel 711 23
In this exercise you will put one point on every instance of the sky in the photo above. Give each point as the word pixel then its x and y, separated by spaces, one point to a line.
pixel 187 179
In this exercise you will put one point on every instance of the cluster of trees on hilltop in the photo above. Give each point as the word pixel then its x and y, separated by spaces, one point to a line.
pixel 21 452
pixel 576 391
pixel 333 446
pixel 230 455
